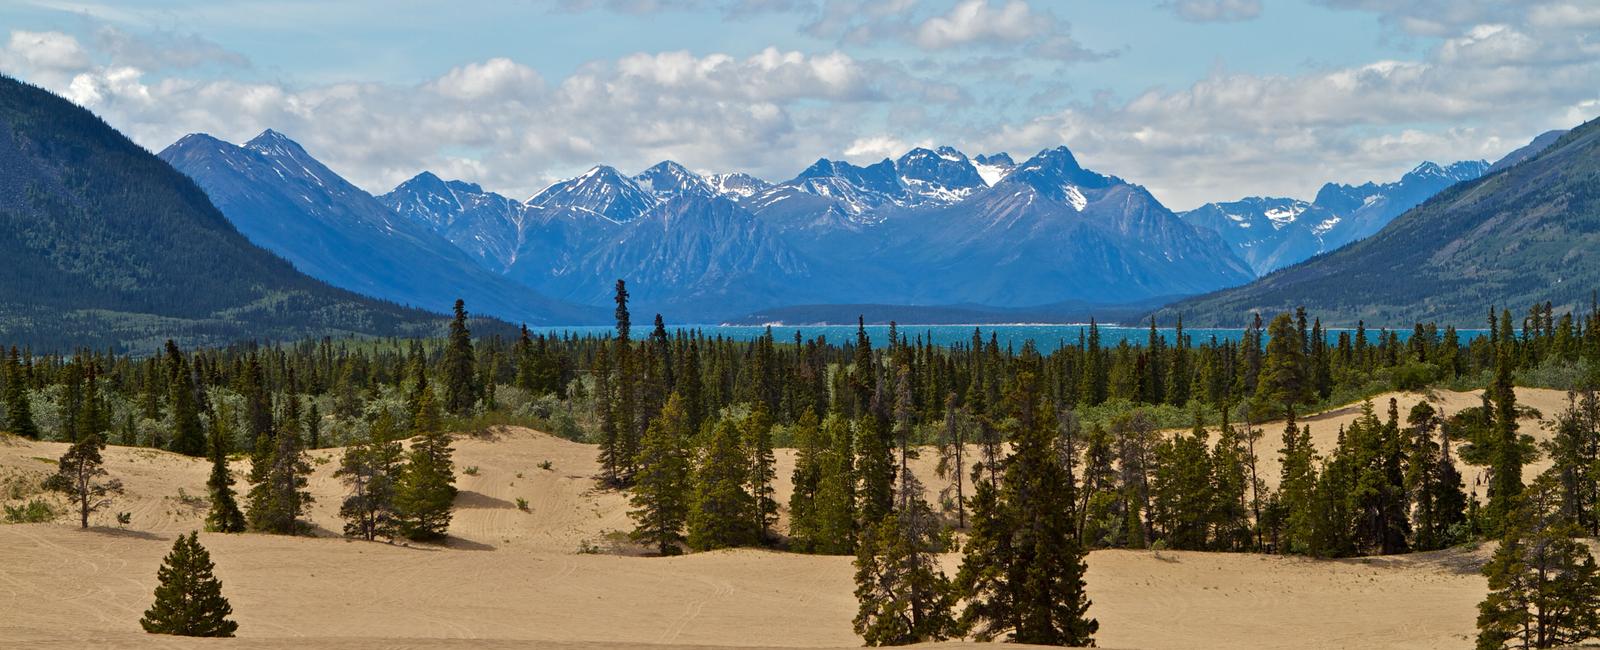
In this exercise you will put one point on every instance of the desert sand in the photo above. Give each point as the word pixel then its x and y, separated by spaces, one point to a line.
pixel 510 578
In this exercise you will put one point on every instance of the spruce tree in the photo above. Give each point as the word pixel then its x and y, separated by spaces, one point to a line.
pixel 1505 479
pixel 77 475
pixel 660 497
pixel 425 496
pixel 757 434
pixel 810 452
pixel 19 412
pixel 1297 487
pixel 835 504
pixel 461 387
pixel 723 513
pixel 952 465
pixel 370 469
pixel 903 598
pixel 1181 495
pixel 1544 585
pixel 874 470
pixel 1284 381
pixel 224 515
pixel 278 475
pixel 189 599
pixel 1022 577
pixel 188 434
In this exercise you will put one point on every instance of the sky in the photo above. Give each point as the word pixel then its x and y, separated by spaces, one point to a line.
pixel 1198 100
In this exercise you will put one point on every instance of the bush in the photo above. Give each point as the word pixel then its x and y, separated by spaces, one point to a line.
pixel 35 511
pixel 470 470
pixel 522 504
pixel 1413 376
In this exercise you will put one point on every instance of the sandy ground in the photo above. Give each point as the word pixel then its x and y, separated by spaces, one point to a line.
pixel 510 578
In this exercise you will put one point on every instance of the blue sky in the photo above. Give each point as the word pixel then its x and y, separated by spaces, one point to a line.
pixel 1198 99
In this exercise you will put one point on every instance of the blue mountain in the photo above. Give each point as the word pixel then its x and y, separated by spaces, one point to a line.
pixel 286 201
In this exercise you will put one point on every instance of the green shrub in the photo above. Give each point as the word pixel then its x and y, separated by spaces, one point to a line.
pixel 35 511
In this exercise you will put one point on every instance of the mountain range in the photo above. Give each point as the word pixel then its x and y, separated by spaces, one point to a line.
pixel 1523 234
pixel 107 246
pixel 1270 233
pixel 291 204
pixel 930 227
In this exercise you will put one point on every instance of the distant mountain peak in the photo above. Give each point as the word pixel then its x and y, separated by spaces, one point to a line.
pixel 668 178
pixel 602 191
pixel 274 143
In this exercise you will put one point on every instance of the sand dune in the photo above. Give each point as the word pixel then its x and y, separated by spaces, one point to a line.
pixel 509 577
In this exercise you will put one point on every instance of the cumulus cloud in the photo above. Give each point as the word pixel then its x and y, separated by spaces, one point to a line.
pixel 1214 11
pixel 980 21
pixel 1494 74
pixel 45 51
pixel 498 121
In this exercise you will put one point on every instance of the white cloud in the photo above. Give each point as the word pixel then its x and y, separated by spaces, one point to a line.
pixel 497 78
pixel 1493 77
pixel 873 148
pixel 1209 11
pixel 980 21
pixel 45 51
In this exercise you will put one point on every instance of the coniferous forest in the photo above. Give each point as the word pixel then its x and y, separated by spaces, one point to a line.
pixel 1047 454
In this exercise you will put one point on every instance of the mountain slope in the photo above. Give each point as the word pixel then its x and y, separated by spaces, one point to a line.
pixel 693 255
pixel 1049 231
pixel 285 200
pixel 1523 235
pixel 486 225
pixel 106 245
pixel 1271 232
pixel 1268 233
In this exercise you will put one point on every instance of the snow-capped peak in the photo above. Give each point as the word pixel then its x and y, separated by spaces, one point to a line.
pixel 668 178
pixel 602 191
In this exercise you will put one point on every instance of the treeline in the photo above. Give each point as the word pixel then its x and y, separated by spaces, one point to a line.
pixel 1045 455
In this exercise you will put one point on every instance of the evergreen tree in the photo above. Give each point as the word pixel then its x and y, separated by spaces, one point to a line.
pixel 874 471
pixel 723 513
pixel 188 434
pixel 370 470
pixel 224 516
pixel 661 488
pixel 810 453
pixel 461 387
pixel 835 505
pixel 952 465
pixel 1438 502
pixel 1544 586
pixel 1181 494
pixel 77 475
pixel 1284 381
pixel 624 387
pixel 189 599
pixel 19 412
pixel 314 427
pixel 610 452
pixel 1022 576
pixel 757 434
pixel 1297 487
pixel 904 598
pixel 278 475
pixel 1505 479
pixel 425 494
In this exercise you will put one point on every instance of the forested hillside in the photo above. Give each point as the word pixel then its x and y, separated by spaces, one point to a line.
pixel 106 245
